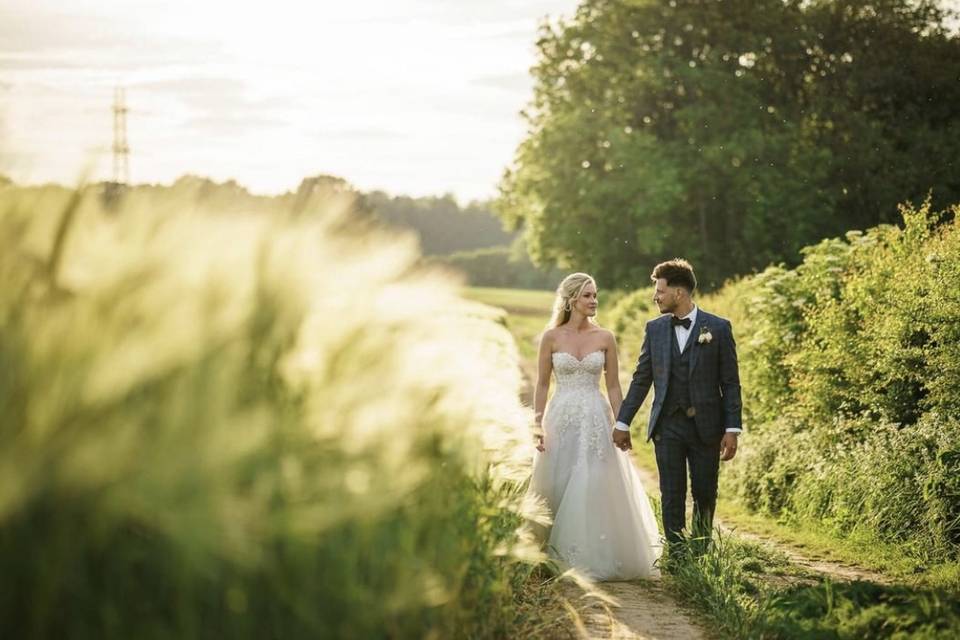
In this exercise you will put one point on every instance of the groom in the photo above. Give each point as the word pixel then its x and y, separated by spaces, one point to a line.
pixel 691 359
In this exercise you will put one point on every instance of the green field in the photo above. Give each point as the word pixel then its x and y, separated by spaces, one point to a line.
pixel 515 301
pixel 528 312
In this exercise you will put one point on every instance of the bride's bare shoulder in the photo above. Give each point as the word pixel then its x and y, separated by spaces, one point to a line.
pixel 608 336
pixel 548 336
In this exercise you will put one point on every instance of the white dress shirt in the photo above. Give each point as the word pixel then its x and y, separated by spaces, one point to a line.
pixel 683 336
pixel 683 333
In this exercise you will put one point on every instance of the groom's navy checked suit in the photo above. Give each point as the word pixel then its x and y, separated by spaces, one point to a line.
pixel 696 399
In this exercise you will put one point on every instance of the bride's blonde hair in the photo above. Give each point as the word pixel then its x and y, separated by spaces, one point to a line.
pixel 568 292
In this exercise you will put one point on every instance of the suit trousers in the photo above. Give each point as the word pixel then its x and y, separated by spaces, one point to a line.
pixel 678 446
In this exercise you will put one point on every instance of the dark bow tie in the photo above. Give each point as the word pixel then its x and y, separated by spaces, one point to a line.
pixel 676 322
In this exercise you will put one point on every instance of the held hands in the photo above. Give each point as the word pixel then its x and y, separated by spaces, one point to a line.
pixel 621 440
pixel 728 446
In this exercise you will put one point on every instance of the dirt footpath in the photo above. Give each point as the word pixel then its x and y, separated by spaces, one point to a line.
pixel 639 609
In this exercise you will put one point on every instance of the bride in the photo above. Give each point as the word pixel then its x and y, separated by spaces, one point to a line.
pixel 603 524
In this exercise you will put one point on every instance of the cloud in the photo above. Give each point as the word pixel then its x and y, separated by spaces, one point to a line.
pixel 115 58
pixel 55 39
pixel 228 124
pixel 488 11
pixel 39 31
pixel 366 134
pixel 512 82
pixel 201 92
pixel 211 105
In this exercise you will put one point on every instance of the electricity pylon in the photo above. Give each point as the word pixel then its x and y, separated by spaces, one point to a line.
pixel 121 150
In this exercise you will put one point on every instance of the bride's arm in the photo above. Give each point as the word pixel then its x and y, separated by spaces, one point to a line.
pixel 612 375
pixel 544 369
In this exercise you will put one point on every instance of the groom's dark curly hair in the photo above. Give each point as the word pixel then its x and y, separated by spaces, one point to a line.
pixel 677 272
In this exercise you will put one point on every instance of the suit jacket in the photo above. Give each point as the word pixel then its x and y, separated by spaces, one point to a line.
pixel 714 376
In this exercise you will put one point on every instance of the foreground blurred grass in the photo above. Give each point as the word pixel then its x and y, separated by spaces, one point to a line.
pixel 249 425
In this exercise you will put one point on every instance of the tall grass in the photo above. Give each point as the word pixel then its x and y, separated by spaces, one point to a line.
pixel 249 425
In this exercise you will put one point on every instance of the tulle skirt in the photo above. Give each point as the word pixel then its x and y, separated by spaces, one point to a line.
pixel 603 523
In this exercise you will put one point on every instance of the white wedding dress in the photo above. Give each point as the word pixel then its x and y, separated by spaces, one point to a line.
pixel 603 524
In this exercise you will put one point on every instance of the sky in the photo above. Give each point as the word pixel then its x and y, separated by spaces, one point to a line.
pixel 414 97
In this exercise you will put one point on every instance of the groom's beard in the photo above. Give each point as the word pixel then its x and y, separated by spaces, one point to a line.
pixel 668 306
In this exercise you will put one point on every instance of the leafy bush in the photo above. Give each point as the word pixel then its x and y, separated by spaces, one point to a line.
pixel 249 426
pixel 860 477
pixel 850 367
pixel 854 383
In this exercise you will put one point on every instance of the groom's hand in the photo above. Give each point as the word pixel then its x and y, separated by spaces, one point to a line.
pixel 728 446
pixel 621 440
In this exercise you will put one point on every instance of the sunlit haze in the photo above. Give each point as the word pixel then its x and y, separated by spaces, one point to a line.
pixel 410 96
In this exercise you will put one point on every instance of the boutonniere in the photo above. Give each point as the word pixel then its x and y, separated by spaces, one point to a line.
pixel 705 335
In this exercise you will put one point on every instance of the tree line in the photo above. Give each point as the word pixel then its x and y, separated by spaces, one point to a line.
pixel 467 238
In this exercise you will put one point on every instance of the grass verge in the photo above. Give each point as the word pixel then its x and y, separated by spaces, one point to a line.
pixel 748 591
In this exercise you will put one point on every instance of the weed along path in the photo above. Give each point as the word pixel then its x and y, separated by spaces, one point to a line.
pixel 835 571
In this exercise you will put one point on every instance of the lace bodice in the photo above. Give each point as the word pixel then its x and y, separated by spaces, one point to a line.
pixel 577 409
pixel 572 373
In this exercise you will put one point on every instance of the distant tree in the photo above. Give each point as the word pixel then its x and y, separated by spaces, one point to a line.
pixel 500 267
pixel 443 226
pixel 193 190
pixel 325 190
pixel 732 133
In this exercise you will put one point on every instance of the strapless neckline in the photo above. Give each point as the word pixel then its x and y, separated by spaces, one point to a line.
pixel 575 357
